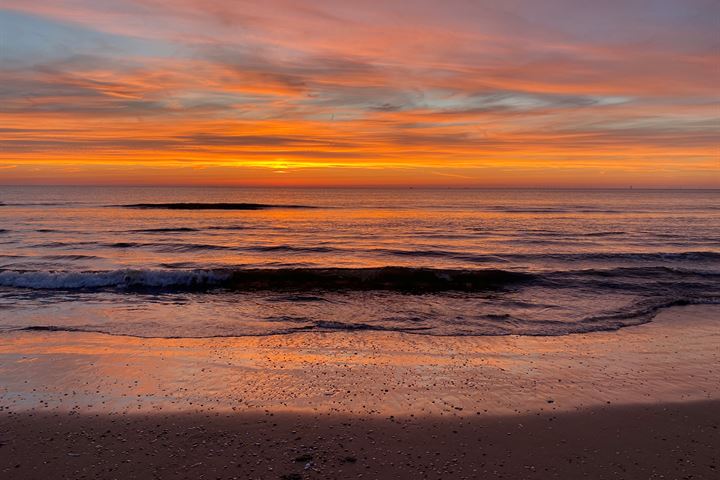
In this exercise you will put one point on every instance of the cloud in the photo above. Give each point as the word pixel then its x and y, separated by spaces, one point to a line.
pixel 419 83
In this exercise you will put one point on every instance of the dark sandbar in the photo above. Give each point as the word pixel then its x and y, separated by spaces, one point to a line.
pixel 211 206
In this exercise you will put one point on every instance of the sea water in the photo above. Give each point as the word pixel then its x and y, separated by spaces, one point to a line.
pixel 204 262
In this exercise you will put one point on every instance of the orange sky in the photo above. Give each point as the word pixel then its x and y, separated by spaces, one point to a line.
pixel 280 92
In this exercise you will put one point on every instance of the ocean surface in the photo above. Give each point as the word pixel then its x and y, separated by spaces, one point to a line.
pixel 205 262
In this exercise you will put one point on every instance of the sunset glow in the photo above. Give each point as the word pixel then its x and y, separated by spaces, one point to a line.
pixel 306 93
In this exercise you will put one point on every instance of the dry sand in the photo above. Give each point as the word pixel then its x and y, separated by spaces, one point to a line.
pixel 641 442
pixel 642 402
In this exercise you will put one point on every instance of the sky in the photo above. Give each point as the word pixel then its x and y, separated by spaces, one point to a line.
pixel 467 93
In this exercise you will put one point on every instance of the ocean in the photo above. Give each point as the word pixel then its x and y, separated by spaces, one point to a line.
pixel 181 262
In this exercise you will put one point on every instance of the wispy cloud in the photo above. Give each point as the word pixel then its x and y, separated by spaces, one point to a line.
pixel 457 85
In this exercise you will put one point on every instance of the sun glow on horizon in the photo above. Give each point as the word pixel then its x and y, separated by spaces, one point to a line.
pixel 324 93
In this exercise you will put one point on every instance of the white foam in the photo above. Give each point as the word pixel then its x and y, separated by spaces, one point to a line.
pixel 108 279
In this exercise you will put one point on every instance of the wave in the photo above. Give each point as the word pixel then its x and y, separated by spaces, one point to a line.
pixel 648 272
pixel 448 254
pixel 603 234
pixel 187 275
pixel 167 247
pixel 44 204
pixel 550 209
pixel 573 257
pixel 485 325
pixel 55 328
pixel 192 247
pixel 399 279
pixel 188 266
pixel 69 257
pixel 64 244
pixel 188 247
pixel 165 230
pixel 290 248
pixel 114 279
pixel 698 256
pixel 187 229
pixel 211 206
pixel 320 326
pixel 331 325
pixel 225 227
pixel 465 256
pixel 561 234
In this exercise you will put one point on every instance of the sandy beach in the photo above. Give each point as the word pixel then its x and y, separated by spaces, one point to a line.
pixel 641 402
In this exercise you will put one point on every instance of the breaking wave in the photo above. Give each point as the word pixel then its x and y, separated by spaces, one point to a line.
pixel 399 279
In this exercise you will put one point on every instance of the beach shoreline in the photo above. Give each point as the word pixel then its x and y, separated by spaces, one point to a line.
pixel 646 392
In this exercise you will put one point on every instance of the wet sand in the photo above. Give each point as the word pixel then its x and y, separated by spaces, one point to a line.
pixel 642 402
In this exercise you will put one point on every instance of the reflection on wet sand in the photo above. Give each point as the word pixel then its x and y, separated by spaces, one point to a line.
pixel 366 373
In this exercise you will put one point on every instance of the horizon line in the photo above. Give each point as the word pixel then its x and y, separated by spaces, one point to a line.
pixel 354 187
